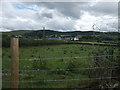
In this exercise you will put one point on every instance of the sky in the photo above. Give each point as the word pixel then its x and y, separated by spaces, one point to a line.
pixel 59 16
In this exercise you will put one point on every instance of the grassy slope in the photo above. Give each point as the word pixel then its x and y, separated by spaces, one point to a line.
pixel 53 64
pixel 17 32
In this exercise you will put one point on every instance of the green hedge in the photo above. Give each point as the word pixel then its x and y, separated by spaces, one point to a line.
pixel 32 42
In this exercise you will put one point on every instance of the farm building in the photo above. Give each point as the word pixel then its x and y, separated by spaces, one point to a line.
pixel 74 39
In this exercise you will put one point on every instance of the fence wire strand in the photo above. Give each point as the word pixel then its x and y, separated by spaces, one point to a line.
pixel 110 68
pixel 64 58
pixel 101 78
pixel 115 67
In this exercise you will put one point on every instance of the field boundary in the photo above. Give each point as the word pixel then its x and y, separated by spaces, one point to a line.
pixel 15 72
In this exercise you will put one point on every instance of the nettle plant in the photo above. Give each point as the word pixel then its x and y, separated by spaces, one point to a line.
pixel 102 61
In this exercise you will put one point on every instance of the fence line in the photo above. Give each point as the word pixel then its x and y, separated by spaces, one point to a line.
pixel 115 67
pixel 101 78
pixel 68 57
pixel 60 69
pixel 64 58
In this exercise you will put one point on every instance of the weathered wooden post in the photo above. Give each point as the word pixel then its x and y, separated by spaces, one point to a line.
pixel 15 63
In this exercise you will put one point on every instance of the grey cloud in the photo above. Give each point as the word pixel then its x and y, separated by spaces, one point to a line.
pixel 74 10
pixel 103 8
pixel 48 15
pixel 61 24
pixel 110 25
pixel 68 9
pixel 59 16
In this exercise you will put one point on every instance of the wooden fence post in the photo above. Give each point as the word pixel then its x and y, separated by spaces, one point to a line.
pixel 15 63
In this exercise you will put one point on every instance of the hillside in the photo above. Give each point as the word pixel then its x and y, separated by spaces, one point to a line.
pixel 18 32
pixel 52 32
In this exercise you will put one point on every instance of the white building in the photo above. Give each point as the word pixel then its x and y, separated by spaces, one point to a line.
pixel 74 38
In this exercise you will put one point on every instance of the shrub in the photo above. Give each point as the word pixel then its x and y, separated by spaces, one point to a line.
pixel 104 64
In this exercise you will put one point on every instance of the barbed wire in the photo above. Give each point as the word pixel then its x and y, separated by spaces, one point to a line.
pixel 106 24
pixel 87 68
pixel 64 57
pixel 100 78
pixel 67 57
pixel 62 69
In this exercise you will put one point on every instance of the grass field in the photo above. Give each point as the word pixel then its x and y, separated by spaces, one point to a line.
pixel 57 68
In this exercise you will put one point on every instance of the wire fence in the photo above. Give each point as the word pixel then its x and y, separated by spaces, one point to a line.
pixel 104 73
pixel 102 67
pixel 66 57
pixel 102 78
pixel 92 68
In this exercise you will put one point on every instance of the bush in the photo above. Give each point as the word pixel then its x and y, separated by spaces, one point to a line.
pixel 32 42
pixel 5 41
pixel 104 66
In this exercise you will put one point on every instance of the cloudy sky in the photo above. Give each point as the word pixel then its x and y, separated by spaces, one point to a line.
pixel 59 16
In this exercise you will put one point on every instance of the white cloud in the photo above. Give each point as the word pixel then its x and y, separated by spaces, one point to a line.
pixel 86 22
pixel 58 16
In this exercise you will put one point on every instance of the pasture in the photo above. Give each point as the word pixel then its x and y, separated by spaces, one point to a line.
pixel 56 66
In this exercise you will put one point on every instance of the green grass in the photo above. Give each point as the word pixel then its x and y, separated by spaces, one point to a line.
pixel 17 32
pixel 51 66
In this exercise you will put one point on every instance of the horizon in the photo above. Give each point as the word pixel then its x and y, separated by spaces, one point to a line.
pixel 60 31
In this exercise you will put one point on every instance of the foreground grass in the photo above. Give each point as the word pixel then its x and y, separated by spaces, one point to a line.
pixel 54 69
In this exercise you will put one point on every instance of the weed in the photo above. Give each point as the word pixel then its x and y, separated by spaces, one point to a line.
pixel 39 65
pixel 72 65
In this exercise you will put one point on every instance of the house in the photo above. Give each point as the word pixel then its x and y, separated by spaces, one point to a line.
pixel 74 39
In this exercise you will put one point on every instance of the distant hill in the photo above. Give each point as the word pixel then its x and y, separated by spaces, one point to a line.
pixel 52 32
pixel 43 35
pixel 17 32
